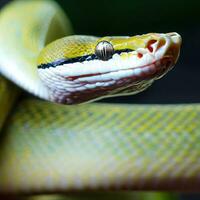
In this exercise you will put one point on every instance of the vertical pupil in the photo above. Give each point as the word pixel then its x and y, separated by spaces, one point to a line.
pixel 104 50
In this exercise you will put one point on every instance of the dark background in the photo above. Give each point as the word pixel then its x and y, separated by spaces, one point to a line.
pixel 130 17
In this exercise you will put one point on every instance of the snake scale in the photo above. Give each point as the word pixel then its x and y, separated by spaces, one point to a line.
pixel 49 148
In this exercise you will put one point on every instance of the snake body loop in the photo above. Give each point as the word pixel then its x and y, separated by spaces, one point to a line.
pixel 24 35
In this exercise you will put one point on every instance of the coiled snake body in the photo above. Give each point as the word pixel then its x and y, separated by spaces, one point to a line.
pixel 47 147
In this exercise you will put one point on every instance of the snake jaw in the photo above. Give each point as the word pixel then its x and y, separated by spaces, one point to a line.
pixel 124 74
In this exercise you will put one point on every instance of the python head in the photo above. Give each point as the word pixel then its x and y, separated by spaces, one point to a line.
pixel 78 69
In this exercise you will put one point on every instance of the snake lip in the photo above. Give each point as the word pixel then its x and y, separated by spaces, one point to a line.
pixel 94 88
pixel 154 69
pixel 132 84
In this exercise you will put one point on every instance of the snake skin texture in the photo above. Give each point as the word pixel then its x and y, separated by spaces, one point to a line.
pixel 47 147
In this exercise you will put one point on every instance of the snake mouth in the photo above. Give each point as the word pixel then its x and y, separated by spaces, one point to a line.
pixel 125 86
pixel 155 69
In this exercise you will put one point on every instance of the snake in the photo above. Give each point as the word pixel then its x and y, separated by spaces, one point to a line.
pixel 49 147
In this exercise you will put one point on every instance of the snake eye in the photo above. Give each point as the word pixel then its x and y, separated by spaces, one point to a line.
pixel 104 50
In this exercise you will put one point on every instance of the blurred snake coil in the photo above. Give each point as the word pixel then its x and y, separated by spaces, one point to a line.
pixel 51 148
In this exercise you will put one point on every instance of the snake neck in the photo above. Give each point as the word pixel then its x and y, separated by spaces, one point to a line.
pixel 26 27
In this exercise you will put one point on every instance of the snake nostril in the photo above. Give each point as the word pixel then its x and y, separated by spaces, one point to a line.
pixel 149 45
pixel 161 43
